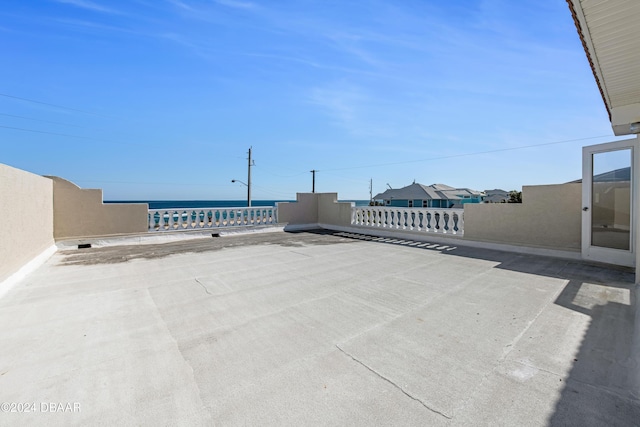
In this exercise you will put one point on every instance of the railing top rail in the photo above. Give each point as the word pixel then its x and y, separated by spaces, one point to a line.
pixel 214 208
pixel 410 209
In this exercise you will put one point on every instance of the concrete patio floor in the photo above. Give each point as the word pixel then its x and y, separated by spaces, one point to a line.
pixel 319 329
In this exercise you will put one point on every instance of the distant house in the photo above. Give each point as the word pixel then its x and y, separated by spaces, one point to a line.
pixel 496 196
pixel 429 196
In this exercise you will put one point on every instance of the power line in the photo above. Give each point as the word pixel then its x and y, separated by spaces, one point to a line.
pixel 39 120
pixel 54 105
pixel 53 133
pixel 267 170
pixel 466 154
pixel 72 136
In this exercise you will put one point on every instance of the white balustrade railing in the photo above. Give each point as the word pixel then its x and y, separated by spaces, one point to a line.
pixel 425 220
pixel 204 218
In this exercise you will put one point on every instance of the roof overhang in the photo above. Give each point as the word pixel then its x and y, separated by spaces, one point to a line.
pixel 610 34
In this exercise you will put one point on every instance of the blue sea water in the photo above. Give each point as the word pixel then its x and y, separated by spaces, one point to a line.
pixel 195 204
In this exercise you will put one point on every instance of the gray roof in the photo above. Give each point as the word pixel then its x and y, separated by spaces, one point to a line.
pixel 622 174
pixel 495 191
pixel 417 191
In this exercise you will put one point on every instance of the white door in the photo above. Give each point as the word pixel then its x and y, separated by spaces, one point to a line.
pixel 608 202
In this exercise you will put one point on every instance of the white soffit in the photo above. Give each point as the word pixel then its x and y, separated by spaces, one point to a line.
pixel 610 31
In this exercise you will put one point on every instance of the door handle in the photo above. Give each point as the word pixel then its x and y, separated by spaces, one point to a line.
pixel 585 208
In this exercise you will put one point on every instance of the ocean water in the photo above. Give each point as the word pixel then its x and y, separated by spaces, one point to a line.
pixel 196 204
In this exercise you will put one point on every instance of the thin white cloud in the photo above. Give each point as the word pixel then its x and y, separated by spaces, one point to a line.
pixel 236 4
pixel 89 5
pixel 182 5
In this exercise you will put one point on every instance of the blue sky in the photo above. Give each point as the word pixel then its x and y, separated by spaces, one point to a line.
pixel 160 99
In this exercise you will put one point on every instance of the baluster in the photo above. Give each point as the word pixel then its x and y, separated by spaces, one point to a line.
pixel 460 222
pixel 171 220
pixel 428 216
pixel 446 224
pixel 152 221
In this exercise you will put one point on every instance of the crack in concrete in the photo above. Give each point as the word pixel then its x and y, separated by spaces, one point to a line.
pixel 435 411
pixel 203 286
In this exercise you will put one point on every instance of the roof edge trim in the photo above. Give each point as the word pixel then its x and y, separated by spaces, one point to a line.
pixel 585 46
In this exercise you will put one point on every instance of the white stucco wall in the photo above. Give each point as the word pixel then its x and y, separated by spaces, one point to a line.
pixel 26 203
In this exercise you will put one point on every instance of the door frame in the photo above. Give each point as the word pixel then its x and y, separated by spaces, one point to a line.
pixel 601 254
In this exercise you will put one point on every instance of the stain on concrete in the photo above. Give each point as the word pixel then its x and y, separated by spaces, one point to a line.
pixel 124 253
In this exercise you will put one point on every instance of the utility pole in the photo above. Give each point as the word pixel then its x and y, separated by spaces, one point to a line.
pixel 371 190
pixel 249 179
pixel 313 188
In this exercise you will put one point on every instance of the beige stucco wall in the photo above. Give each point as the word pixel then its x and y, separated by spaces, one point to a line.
pixel 315 209
pixel 26 203
pixel 79 213
pixel 303 211
pixel 549 216
pixel 330 211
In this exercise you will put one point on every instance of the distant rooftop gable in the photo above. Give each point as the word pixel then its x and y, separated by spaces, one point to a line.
pixel 418 191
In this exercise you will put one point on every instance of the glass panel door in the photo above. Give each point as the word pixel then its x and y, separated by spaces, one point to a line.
pixel 611 200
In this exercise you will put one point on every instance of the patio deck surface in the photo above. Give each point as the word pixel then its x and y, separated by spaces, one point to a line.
pixel 319 328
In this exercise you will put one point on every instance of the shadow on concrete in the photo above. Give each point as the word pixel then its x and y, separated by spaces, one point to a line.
pixel 603 386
